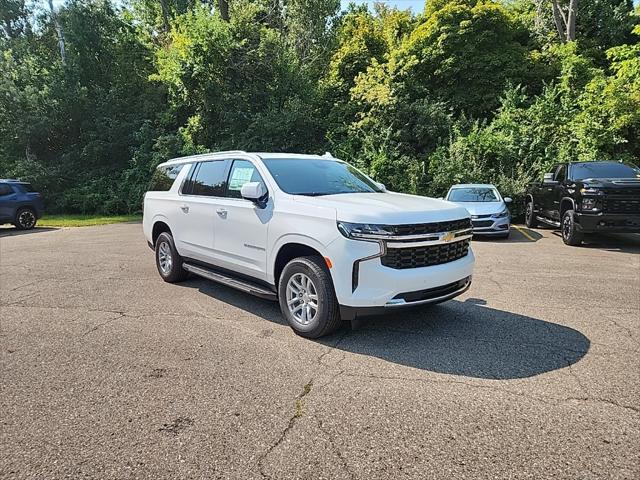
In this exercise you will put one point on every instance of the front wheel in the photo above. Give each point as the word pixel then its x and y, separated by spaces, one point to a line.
pixel 530 219
pixel 25 219
pixel 307 299
pixel 570 234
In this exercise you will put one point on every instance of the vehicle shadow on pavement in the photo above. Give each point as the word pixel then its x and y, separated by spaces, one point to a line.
pixel 11 231
pixel 611 242
pixel 517 235
pixel 462 338
pixel 468 339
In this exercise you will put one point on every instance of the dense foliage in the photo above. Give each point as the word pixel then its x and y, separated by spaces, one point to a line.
pixel 469 90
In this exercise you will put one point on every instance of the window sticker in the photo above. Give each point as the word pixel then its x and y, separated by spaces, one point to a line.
pixel 239 177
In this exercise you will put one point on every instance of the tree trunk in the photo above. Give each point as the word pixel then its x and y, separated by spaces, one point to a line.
pixel 165 15
pixel 565 24
pixel 558 18
pixel 59 31
pixel 223 5
pixel 571 20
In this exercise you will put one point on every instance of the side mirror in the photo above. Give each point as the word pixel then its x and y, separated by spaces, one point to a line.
pixel 548 178
pixel 255 192
pixel 381 186
pixel 507 200
pixel 440 198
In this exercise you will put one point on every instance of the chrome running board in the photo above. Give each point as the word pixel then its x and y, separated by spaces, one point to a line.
pixel 233 282
pixel 547 221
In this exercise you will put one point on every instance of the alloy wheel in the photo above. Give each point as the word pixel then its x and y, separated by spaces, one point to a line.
pixel 165 259
pixel 302 298
pixel 26 219
pixel 566 226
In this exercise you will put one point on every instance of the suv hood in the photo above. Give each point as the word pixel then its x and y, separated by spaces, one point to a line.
pixel 611 182
pixel 387 208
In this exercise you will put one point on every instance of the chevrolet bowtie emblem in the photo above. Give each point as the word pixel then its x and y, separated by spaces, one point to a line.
pixel 447 237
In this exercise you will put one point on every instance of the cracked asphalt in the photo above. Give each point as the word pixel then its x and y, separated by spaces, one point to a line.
pixel 108 372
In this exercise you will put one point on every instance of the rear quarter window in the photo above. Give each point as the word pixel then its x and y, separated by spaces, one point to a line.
pixel 5 189
pixel 163 178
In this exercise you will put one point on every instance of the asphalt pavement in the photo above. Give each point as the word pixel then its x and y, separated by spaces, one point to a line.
pixel 107 372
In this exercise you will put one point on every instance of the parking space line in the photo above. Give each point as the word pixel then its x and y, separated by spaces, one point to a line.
pixel 523 232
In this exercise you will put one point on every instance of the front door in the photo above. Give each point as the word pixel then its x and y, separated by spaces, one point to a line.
pixel 241 225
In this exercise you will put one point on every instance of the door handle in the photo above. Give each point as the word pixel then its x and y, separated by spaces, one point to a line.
pixel 185 208
pixel 222 212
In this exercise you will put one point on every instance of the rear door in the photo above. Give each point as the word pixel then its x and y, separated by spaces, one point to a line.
pixel 241 226
pixel 198 201
pixel 7 202
pixel 558 191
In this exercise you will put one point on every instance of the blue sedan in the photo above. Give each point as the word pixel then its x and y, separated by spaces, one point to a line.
pixel 489 212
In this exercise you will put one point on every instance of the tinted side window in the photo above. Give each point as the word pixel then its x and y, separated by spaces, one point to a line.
pixel 163 178
pixel 243 171
pixel 210 179
pixel 27 187
pixel 561 174
pixel 5 189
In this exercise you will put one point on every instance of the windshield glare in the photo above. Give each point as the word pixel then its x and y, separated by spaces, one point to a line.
pixel 581 171
pixel 318 177
pixel 477 194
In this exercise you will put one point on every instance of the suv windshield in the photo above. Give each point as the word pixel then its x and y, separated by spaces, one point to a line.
pixel 318 177
pixel 581 171
pixel 477 194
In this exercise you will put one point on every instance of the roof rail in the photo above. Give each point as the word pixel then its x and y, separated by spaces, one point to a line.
pixel 200 155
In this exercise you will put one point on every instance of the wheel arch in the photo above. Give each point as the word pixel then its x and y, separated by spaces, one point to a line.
pixel 566 204
pixel 290 247
pixel 159 226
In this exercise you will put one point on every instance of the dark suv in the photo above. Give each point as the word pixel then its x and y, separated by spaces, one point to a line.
pixel 586 197
pixel 20 204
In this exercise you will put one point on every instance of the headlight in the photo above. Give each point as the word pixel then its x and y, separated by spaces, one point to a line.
pixel 590 190
pixel 363 230
pixel 589 203
pixel 502 214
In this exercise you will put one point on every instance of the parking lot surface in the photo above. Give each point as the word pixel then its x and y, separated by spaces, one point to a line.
pixel 108 372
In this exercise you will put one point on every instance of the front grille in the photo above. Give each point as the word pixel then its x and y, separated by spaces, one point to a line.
pixel 429 228
pixel 482 223
pixel 415 257
pixel 623 201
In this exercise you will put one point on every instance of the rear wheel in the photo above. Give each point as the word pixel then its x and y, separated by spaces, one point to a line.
pixel 530 216
pixel 25 219
pixel 168 260
pixel 307 298
pixel 570 234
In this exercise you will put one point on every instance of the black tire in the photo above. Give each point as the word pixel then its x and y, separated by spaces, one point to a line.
pixel 327 314
pixel 172 271
pixel 530 216
pixel 570 234
pixel 26 219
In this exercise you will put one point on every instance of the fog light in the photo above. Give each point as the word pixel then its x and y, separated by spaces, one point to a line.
pixel 588 203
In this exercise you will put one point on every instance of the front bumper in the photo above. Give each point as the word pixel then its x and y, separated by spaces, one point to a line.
pixel 409 300
pixel 380 286
pixel 603 222
pixel 491 226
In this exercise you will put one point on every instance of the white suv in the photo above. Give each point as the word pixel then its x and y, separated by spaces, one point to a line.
pixel 310 231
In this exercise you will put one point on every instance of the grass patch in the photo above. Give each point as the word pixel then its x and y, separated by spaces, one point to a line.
pixel 85 220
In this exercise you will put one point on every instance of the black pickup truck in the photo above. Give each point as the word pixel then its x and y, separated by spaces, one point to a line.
pixel 586 197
